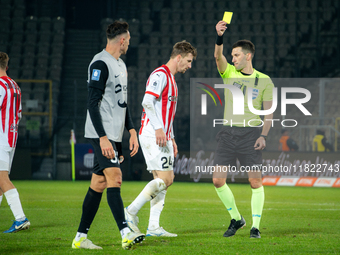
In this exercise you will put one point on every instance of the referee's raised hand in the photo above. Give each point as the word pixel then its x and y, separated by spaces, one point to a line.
pixel 106 146
pixel 221 27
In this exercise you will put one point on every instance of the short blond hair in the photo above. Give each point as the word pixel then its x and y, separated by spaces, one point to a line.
pixel 183 48
pixel 3 60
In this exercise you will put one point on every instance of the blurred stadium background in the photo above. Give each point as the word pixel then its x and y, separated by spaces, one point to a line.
pixel 54 41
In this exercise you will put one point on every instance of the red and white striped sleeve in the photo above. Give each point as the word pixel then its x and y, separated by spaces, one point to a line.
pixel 156 83
pixel 3 92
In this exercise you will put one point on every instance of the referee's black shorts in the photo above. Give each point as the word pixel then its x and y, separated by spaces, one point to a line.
pixel 101 162
pixel 238 143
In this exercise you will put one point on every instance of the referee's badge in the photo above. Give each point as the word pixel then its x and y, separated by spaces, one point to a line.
pixel 95 75
pixel 255 93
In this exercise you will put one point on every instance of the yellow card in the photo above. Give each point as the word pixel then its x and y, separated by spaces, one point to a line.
pixel 227 17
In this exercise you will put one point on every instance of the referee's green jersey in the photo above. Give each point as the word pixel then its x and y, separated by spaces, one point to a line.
pixel 259 84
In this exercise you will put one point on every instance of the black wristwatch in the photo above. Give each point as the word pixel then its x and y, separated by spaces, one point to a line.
pixel 264 136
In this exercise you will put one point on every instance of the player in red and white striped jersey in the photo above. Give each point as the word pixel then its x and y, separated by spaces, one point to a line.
pixel 10 111
pixel 10 101
pixel 161 85
pixel 157 138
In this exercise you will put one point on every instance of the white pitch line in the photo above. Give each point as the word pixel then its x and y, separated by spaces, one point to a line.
pixel 296 209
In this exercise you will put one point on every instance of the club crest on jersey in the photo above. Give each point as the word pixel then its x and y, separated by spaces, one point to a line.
pixel 121 74
pixel 255 93
pixel 95 75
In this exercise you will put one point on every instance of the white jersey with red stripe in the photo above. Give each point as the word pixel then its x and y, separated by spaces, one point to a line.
pixel 10 102
pixel 162 85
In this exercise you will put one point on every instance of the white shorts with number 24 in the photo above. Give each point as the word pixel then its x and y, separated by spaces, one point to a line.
pixel 156 157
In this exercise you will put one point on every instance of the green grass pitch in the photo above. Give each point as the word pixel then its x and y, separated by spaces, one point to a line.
pixel 296 220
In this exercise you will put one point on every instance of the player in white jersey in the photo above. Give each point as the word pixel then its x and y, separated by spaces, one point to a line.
pixel 156 136
pixel 10 111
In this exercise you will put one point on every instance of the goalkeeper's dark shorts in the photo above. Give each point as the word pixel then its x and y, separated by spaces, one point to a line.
pixel 238 143
pixel 101 162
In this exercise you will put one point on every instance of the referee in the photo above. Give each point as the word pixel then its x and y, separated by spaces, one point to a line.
pixel 106 118
pixel 239 140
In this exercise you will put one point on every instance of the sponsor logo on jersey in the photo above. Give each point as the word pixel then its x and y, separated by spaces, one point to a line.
pixel 8 85
pixel 246 81
pixel 255 93
pixel 122 105
pixel 118 88
pixel 95 75
pixel 237 85
pixel 14 128
pixel 173 98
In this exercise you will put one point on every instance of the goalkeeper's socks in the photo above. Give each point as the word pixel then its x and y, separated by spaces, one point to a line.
pixel 90 208
pixel 115 202
pixel 228 200
pixel 149 192
pixel 257 201
pixel 156 207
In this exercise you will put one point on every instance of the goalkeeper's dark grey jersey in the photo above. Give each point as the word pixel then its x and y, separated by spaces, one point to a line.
pixel 108 76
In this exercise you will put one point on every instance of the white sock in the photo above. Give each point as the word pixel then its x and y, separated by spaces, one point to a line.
pixel 150 191
pixel 1 199
pixel 80 235
pixel 14 203
pixel 156 207
pixel 124 232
